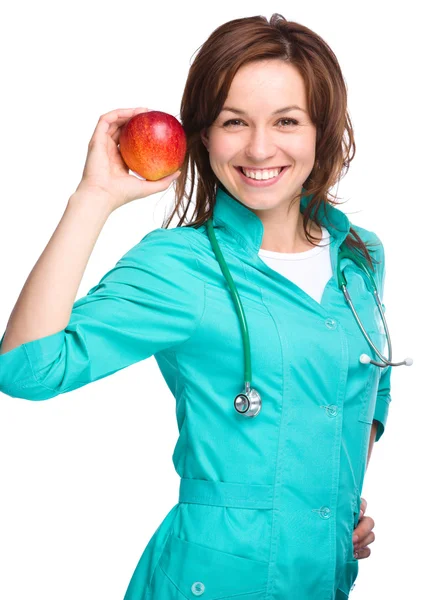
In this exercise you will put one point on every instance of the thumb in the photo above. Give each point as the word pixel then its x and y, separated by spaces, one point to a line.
pixel 162 184
pixel 172 177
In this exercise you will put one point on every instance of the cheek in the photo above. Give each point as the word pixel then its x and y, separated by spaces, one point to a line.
pixel 303 145
pixel 222 149
pixel 302 149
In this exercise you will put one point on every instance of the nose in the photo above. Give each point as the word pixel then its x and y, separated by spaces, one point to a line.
pixel 260 145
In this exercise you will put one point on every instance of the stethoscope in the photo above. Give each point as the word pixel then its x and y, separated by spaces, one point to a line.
pixel 249 402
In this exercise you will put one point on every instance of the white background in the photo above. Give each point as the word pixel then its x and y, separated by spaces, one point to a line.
pixel 87 477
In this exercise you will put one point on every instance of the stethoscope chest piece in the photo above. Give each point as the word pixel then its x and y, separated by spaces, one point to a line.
pixel 248 403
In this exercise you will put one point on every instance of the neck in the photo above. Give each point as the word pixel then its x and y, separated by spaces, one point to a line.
pixel 288 235
pixel 284 231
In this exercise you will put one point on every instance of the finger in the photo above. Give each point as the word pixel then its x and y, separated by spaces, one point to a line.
pixel 363 505
pixel 120 113
pixel 160 185
pixel 364 527
pixel 111 122
pixel 108 118
pixel 368 539
pixel 116 126
pixel 363 553
pixel 164 182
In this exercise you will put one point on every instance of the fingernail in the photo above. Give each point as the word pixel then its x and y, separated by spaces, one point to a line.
pixel 356 554
pixel 361 513
pixel 355 538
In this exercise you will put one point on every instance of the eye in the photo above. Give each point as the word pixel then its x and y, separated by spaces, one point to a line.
pixel 293 121
pixel 233 122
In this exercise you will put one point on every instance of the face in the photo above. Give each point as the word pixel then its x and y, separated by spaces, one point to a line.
pixel 259 137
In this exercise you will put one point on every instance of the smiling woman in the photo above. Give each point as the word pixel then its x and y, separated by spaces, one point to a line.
pixel 267 505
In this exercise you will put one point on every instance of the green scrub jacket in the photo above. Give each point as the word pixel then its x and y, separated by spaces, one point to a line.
pixel 267 505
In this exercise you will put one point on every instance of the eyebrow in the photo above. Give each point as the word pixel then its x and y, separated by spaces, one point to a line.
pixel 238 111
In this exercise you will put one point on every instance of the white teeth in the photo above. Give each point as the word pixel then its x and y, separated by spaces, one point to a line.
pixel 261 174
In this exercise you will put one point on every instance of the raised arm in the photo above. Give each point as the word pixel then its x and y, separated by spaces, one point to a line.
pixel 45 302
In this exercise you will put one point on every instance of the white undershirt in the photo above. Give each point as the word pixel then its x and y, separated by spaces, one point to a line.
pixel 310 270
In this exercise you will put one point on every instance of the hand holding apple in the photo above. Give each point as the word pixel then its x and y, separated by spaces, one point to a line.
pixel 106 174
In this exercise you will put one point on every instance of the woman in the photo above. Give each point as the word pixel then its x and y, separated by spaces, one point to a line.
pixel 268 505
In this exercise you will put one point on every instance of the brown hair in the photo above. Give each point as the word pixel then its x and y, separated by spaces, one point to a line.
pixel 251 39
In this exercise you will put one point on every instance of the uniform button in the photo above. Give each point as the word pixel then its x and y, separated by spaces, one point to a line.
pixel 331 410
pixel 324 512
pixel 197 588
pixel 331 323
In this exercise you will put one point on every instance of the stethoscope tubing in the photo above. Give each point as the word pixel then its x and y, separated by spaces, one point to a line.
pixel 236 299
pixel 342 282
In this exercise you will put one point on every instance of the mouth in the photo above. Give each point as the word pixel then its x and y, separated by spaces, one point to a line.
pixel 262 182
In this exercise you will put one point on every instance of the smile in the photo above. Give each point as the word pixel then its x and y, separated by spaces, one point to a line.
pixel 261 177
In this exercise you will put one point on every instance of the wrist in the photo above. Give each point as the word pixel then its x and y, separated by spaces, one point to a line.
pixel 92 200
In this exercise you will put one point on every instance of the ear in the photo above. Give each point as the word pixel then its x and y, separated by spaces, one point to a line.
pixel 205 138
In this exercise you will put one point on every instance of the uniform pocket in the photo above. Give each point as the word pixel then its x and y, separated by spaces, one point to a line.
pixel 187 570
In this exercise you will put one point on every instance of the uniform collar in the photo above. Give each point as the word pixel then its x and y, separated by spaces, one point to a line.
pixel 247 229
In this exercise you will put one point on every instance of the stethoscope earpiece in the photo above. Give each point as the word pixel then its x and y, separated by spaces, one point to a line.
pixel 365 359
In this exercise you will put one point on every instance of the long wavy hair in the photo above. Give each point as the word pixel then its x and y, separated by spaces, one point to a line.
pixel 229 47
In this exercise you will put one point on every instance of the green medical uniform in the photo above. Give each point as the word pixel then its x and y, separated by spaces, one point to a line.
pixel 267 505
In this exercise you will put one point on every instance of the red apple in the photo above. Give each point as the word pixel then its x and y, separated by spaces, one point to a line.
pixel 153 144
